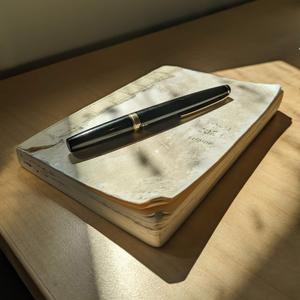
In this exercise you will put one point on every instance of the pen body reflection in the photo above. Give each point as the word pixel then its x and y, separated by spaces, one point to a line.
pixel 163 114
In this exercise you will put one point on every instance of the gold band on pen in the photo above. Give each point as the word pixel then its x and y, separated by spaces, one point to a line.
pixel 136 122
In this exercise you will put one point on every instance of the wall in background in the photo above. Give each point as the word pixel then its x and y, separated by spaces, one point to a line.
pixel 38 32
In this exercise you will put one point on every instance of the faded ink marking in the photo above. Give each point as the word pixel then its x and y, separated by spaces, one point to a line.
pixel 27 163
pixel 198 140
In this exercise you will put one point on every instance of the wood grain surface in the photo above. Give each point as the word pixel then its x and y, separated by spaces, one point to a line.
pixel 242 242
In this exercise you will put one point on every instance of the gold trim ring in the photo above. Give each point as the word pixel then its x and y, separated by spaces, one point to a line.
pixel 136 122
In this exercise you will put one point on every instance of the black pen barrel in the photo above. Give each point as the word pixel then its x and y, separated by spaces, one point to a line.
pixel 100 133
pixel 134 121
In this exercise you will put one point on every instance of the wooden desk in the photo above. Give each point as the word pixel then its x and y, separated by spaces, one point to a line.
pixel 242 242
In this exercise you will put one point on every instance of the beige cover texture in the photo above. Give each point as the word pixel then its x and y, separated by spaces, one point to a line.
pixel 150 186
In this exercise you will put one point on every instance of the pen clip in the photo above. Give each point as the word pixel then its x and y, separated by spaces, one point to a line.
pixel 208 107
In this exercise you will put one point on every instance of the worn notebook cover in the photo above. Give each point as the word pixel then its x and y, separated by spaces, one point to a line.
pixel 151 170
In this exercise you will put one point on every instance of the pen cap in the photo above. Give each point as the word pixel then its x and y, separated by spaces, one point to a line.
pixel 182 105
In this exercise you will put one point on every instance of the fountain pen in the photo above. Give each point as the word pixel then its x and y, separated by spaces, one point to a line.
pixel 141 119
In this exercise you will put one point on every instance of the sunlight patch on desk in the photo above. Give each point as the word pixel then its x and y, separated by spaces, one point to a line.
pixel 115 270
